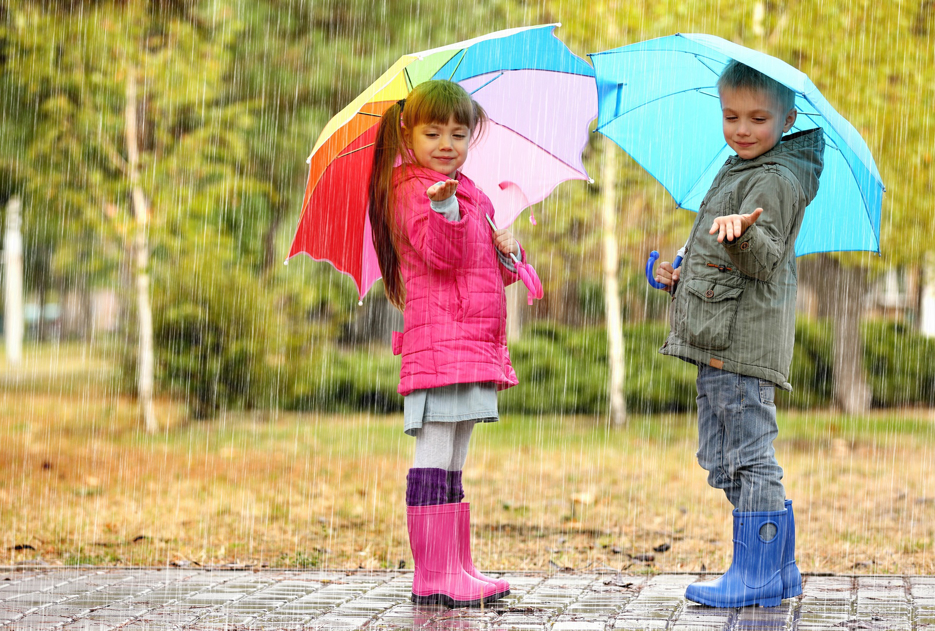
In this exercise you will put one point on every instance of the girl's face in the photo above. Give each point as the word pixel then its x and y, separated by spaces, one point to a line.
pixel 753 122
pixel 441 147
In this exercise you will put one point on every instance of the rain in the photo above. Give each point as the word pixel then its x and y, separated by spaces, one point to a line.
pixel 174 397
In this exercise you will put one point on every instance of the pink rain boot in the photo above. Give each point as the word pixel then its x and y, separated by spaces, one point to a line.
pixel 467 562
pixel 439 577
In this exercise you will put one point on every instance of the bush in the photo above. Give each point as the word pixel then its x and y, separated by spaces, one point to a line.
pixel 900 365
pixel 810 373
pixel 211 331
pixel 563 370
pixel 338 379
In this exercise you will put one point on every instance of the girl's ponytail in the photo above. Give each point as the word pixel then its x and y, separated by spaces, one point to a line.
pixel 386 149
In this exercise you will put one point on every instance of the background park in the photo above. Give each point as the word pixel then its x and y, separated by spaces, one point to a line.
pixel 156 153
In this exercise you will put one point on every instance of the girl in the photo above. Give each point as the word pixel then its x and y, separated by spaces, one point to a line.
pixel 445 270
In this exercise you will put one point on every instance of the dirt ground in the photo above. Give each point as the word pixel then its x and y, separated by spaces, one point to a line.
pixel 81 483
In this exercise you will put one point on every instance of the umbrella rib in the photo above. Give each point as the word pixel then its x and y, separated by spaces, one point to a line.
pixel 705 170
pixel 343 155
pixel 641 105
pixel 535 144
pixel 701 60
pixel 475 91
pixel 458 65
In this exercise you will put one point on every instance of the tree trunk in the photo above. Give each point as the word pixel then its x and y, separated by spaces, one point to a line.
pixel 13 317
pixel 926 299
pixel 618 406
pixel 515 303
pixel 269 240
pixel 843 290
pixel 146 360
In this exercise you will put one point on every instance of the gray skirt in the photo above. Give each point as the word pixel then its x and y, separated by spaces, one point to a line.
pixel 450 404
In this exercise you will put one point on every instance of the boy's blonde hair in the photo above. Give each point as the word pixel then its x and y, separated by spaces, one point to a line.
pixel 738 76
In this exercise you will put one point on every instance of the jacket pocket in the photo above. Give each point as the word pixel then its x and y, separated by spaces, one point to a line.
pixel 709 312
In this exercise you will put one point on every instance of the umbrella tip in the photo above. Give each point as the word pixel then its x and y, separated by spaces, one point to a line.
pixel 286 262
pixel 360 303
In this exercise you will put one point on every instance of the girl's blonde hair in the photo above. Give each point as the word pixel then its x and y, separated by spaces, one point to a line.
pixel 429 102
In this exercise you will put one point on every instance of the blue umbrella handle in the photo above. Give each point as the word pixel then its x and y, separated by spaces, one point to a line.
pixel 651 263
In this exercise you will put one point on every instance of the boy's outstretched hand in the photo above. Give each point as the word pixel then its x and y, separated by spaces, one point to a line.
pixel 440 191
pixel 733 226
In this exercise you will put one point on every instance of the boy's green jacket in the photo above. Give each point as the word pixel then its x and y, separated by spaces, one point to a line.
pixel 734 305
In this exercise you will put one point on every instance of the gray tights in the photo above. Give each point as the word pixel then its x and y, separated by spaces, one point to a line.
pixel 443 445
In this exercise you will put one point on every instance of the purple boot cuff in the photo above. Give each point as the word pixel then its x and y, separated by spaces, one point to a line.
pixel 426 487
pixel 455 489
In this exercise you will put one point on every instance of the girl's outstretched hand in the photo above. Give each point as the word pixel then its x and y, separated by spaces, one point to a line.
pixel 505 242
pixel 440 191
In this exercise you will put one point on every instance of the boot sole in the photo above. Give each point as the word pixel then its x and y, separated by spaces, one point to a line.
pixel 448 601
pixel 762 602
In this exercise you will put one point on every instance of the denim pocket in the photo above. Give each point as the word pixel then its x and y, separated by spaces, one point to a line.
pixel 767 392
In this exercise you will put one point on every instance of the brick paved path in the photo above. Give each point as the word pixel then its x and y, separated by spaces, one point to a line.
pixel 154 600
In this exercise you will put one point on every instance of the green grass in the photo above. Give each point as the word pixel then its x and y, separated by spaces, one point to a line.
pixel 82 483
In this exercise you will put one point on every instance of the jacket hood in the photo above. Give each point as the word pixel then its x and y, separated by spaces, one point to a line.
pixel 800 152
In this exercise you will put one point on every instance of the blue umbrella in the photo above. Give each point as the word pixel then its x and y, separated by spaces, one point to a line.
pixel 658 101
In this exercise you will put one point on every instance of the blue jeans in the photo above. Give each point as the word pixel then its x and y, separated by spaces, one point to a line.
pixel 736 429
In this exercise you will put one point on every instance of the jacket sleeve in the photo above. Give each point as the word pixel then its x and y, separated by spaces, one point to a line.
pixel 764 245
pixel 438 241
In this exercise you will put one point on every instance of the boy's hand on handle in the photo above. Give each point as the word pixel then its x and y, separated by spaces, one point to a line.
pixel 440 191
pixel 503 239
pixel 667 275
pixel 733 226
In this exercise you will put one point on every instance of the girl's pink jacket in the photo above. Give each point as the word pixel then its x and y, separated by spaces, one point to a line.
pixel 455 314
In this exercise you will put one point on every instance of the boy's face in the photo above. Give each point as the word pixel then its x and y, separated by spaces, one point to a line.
pixel 753 121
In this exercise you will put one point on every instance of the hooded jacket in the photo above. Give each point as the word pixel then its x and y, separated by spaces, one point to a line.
pixel 455 313
pixel 734 305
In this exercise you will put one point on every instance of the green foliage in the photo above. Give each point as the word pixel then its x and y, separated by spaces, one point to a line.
pixel 897 361
pixel 232 98
pixel 811 370
pixel 212 329
pixel 337 379
pixel 900 365
pixel 563 370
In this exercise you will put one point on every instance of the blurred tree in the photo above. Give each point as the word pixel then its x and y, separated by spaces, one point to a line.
pixel 65 69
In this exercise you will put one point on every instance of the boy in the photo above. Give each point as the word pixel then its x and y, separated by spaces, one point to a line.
pixel 733 315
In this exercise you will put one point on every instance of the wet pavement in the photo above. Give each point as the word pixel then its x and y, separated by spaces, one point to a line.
pixel 175 598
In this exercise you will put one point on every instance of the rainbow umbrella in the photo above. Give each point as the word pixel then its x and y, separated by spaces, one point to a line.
pixel 539 96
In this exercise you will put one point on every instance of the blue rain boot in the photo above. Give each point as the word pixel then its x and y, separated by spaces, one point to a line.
pixel 755 574
pixel 791 577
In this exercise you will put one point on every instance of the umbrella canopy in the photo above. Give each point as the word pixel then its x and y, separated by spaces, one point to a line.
pixel 539 98
pixel 658 101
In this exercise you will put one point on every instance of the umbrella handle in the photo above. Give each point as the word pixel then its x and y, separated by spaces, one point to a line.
pixel 651 275
pixel 527 273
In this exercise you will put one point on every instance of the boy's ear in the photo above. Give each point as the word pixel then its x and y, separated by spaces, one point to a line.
pixel 790 120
